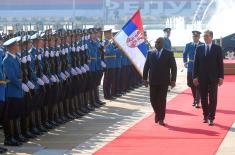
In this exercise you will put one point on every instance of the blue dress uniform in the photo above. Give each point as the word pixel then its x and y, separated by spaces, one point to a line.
pixel 167 42
pixel 188 59
pixel 118 71
pixel 14 96
pixel 2 79
pixel 109 59
pixel 2 89
pixel 93 49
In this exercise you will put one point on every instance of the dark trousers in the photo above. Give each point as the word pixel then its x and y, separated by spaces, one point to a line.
pixel 194 89
pixel 209 89
pixel 109 83
pixel 158 95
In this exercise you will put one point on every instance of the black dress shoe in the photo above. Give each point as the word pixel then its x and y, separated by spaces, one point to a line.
pixel 35 131
pixel 29 135
pixel 193 104
pixel 12 142
pixel 210 122
pixel 80 113
pixel 3 150
pixel 47 125
pixel 21 138
pixel 42 128
pixel 205 120
pixel 161 122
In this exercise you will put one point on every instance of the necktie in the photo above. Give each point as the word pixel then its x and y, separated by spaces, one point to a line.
pixel 158 54
pixel 207 50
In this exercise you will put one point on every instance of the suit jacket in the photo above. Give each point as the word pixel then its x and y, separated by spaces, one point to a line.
pixel 161 71
pixel 210 66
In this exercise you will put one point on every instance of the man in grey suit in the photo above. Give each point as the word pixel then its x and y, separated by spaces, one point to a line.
pixel 160 67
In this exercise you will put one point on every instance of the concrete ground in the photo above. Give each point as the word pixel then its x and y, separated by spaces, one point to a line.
pixel 86 135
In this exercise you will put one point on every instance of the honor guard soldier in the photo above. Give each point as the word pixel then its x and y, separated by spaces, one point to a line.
pixel 101 66
pixel 93 49
pixel 167 42
pixel 14 94
pixel 188 58
pixel 2 87
pixel 109 59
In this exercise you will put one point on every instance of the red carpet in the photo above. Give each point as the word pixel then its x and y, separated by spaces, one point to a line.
pixel 185 134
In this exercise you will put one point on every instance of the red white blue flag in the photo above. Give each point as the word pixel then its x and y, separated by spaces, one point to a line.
pixel 131 40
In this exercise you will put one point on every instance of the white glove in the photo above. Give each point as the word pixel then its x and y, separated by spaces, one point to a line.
pixel 78 70
pixel 86 67
pixel 57 53
pixel 40 82
pixel 103 64
pixel 67 50
pixel 63 51
pixel 24 59
pixel 53 79
pixel 52 54
pixel 25 87
pixel 28 58
pixel 67 74
pixel 86 46
pixel 103 43
pixel 45 79
pixel 73 72
pixel 78 49
pixel 82 48
pixel 57 78
pixel 39 57
pixel 73 49
pixel 30 85
pixel 47 54
pixel 88 37
pixel 83 69
pixel 63 76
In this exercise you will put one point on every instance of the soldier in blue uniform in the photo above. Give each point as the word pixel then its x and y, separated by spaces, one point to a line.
pixel 14 94
pixel 167 42
pixel 109 59
pixel 2 87
pixel 188 58
pixel 101 66
pixel 94 66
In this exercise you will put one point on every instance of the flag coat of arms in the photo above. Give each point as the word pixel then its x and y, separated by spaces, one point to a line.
pixel 132 41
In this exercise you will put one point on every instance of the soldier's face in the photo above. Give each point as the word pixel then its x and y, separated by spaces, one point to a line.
pixel 196 38
pixel 93 36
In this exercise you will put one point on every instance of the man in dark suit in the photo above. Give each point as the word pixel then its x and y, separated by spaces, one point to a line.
pixel 208 73
pixel 161 68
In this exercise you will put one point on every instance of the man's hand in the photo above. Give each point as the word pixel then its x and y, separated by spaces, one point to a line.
pixel 146 83
pixel 221 81
pixel 172 84
pixel 195 82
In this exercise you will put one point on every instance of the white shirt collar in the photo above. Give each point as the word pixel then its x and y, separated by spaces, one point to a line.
pixel 13 55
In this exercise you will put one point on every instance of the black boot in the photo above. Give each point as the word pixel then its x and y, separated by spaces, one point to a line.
pixel 18 134
pixel 34 130
pixel 9 134
pixel 39 125
pixel 78 106
pixel 25 128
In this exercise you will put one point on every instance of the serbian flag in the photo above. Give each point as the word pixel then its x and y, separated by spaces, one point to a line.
pixel 131 40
